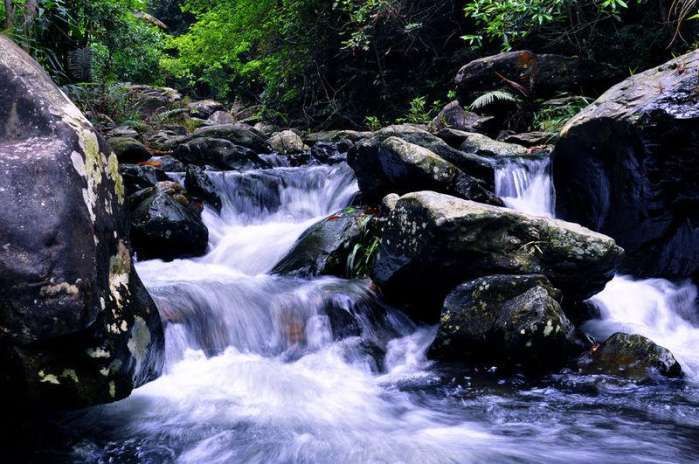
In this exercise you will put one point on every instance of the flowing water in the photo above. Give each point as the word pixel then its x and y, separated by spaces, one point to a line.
pixel 269 369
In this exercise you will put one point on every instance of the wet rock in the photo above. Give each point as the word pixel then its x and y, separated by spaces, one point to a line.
pixel 393 165
pixel 431 242
pixel 78 327
pixel 287 142
pixel 453 116
pixel 482 145
pixel 129 150
pixel 199 186
pixel 167 163
pixel 336 246
pixel 505 318
pixel 166 224
pixel 331 153
pixel 532 139
pixel 626 166
pixel 239 134
pixel 630 356
pixel 218 153
pixel 137 177
pixel 204 108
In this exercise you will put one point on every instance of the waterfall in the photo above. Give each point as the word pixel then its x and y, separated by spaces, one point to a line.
pixel 655 308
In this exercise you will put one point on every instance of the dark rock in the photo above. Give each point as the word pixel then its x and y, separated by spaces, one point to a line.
pixel 453 116
pixel 150 100
pixel 165 224
pixel 327 247
pixel 140 177
pixel 218 153
pixel 220 117
pixel 199 186
pixel 626 166
pixel 240 134
pixel 331 153
pixel 123 131
pixel 336 136
pixel 166 140
pixel 167 163
pixel 204 108
pixel 393 165
pixel 431 242
pixel 630 356
pixel 532 139
pixel 78 327
pixel 129 150
pixel 507 318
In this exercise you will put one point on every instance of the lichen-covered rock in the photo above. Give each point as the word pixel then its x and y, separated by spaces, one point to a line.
pixel 240 134
pixel 166 223
pixel 454 116
pixel 505 318
pixel 129 150
pixel 78 327
pixel 219 154
pixel 286 142
pixel 627 167
pixel 431 242
pixel 199 186
pixel 393 165
pixel 630 356
pixel 334 246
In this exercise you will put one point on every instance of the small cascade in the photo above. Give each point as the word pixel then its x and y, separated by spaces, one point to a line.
pixel 525 185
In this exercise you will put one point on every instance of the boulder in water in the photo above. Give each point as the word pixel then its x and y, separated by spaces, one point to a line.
pixel 626 166
pixel 393 165
pixel 240 134
pixel 199 186
pixel 341 244
pixel 219 154
pixel 432 241
pixel 630 356
pixel 129 150
pixel 139 177
pixel 78 327
pixel 287 142
pixel 166 224
pixel 508 318
pixel 482 145
pixel 331 153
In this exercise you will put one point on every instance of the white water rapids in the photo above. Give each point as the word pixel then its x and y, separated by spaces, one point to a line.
pixel 258 371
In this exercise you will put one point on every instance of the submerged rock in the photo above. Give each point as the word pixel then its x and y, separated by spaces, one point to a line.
pixel 393 165
pixel 630 356
pixel 626 166
pixel 431 242
pixel 78 327
pixel 339 245
pixel 166 224
pixel 507 318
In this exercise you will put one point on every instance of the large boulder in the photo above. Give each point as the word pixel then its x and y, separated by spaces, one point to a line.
pixel 505 318
pixel 149 100
pixel 432 241
pixel 630 356
pixel 166 223
pixel 393 165
pixel 286 142
pixel 78 327
pixel 627 167
pixel 199 186
pixel 219 154
pixel 331 247
pixel 240 134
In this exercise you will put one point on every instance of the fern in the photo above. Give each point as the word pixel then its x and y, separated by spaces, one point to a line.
pixel 491 98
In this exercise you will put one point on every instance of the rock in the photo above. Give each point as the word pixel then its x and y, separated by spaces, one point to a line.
pixel 287 142
pixel 167 163
pixel 265 128
pixel 326 247
pixel 165 224
pixel 336 136
pixel 455 117
pixel 331 153
pixel 218 153
pixel 150 100
pixel 129 150
pixel 630 356
pixel 396 166
pixel 431 242
pixel 240 134
pixel 507 318
pixel 167 139
pixel 204 108
pixel 532 139
pixel 220 117
pixel 199 186
pixel 123 131
pixel 78 327
pixel 626 166
pixel 541 74
pixel 140 177
pixel 484 146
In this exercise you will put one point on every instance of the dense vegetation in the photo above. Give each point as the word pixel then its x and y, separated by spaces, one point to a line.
pixel 333 62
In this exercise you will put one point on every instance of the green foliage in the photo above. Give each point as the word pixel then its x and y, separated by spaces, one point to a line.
pixel 110 100
pixel 373 123
pixel 553 115
pixel 419 113
pixel 492 98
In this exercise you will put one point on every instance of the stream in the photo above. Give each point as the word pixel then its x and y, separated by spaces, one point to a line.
pixel 255 373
